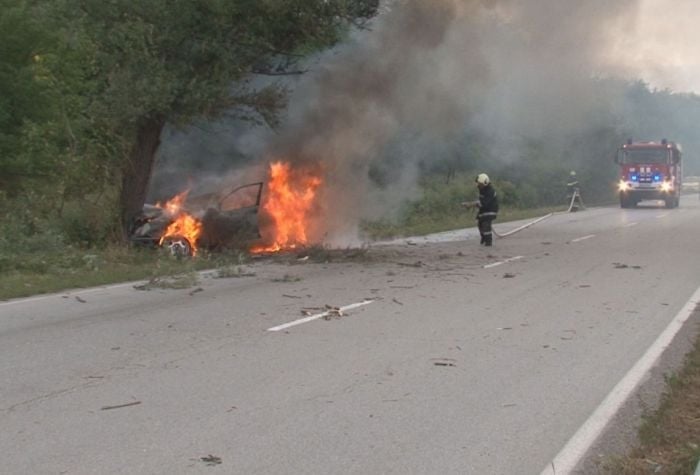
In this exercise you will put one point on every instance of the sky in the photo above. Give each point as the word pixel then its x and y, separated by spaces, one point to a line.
pixel 662 45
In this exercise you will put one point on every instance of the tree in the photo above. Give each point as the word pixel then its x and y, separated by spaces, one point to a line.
pixel 23 95
pixel 172 61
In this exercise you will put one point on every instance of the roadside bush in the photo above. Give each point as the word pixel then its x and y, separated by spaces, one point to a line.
pixel 87 225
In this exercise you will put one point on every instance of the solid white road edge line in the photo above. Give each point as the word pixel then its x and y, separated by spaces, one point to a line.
pixel 86 290
pixel 317 316
pixel 574 450
pixel 583 238
pixel 495 264
pixel 74 291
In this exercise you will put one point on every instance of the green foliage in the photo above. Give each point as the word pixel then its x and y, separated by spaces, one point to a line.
pixel 23 90
pixel 80 80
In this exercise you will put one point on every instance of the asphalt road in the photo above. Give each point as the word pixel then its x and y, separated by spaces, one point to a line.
pixel 462 359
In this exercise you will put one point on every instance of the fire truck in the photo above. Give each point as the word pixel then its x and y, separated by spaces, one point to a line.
pixel 649 171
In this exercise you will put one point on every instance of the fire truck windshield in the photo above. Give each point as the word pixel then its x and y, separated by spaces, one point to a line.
pixel 645 155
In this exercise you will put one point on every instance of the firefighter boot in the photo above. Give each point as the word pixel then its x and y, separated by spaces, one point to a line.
pixel 488 241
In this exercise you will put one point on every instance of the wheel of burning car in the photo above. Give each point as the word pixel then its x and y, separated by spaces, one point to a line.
pixel 178 246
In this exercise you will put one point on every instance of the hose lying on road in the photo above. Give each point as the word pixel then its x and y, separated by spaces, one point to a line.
pixel 541 218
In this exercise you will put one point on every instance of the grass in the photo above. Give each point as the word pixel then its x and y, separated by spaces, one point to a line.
pixel 52 271
pixel 669 438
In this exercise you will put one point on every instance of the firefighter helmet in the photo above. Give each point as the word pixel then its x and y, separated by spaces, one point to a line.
pixel 482 179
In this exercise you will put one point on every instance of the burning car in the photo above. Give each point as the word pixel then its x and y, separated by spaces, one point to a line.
pixel 222 220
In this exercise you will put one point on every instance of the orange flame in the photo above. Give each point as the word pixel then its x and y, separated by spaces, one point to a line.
pixel 185 225
pixel 174 205
pixel 290 199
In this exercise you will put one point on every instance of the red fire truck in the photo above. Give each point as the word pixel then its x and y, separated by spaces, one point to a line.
pixel 649 171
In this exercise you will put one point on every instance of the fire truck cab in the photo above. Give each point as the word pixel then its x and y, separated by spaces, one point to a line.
pixel 649 171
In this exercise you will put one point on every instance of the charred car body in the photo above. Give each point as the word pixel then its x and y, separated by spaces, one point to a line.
pixel 223 220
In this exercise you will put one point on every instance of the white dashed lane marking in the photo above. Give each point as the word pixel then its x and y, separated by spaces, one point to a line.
pixel 499 263
pixel 583 238
pixel 317 316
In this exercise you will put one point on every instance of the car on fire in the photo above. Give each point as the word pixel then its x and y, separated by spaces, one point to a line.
pixel 227 219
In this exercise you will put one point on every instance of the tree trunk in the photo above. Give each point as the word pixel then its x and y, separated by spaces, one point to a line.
pixel 136 173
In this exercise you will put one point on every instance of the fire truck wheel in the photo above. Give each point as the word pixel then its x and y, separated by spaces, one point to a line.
pixel 178 246
pixel 670 202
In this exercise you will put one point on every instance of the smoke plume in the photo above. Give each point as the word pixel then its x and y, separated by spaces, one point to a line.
pixel 428 72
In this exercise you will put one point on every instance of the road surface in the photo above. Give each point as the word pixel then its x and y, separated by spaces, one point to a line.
pixel 451 358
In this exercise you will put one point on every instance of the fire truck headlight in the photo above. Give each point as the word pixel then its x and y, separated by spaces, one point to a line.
pixel 666 186
pixel 623 186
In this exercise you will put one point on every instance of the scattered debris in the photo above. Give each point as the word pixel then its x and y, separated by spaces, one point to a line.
pixel 287 278
pixel 504 328
pixel 444 362
pixel 414 264
pixel 333 312
pixel 508 275
pixel 619 265
pixel 211 460
pixel 119 406
pixel 305 258
pixel 546 243
pixel 509 405
pixel 584 286
pixel 309 310
pixel 233 272
pixel 148 285
pixel 291 296
pixel 180 281
pixel 397 301
pixel 80 300
pixel 198 289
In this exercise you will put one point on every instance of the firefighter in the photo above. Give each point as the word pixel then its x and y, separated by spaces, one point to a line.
pixel 487 206
pixel 573 192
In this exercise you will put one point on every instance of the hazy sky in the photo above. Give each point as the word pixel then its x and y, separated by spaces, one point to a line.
pixel 662 45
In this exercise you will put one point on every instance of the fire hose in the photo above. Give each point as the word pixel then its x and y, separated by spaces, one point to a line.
pixel 574 195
